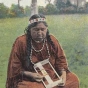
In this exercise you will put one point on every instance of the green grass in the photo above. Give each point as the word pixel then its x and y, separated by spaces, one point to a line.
pixel 70 30
pixel 9 30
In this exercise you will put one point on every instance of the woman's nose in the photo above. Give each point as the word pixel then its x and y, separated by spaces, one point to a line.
pixel 39 32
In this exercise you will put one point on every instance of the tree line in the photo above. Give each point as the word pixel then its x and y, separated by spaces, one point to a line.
pixel 56 8
pixel 60 7
pixel 13 11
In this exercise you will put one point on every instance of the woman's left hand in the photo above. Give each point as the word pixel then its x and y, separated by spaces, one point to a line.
pixel 63 76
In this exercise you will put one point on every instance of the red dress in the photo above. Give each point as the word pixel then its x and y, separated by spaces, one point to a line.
pixel 17 63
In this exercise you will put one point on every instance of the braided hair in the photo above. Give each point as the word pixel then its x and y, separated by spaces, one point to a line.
pixel 29 38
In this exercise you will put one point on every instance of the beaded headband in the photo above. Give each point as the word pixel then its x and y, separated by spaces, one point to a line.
pixel 36 20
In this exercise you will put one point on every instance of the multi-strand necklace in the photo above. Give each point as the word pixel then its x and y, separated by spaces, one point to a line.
pixel 40 49
pixel 44 43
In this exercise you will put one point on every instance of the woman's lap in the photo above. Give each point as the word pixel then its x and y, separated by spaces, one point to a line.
pixel 71 82
pixel 27 84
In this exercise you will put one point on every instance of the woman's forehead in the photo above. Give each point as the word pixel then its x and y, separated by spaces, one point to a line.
pixel 40 25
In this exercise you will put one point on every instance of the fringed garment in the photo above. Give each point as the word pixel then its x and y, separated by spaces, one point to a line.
pixel 17 64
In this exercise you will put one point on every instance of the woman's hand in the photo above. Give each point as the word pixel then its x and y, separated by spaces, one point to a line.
pixel 35 76
pixel 63 76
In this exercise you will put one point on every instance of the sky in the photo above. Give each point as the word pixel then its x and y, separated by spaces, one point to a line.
pixel 22 2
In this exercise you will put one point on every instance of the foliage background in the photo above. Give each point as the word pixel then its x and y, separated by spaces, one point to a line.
pixel 58 7
pixel 70 30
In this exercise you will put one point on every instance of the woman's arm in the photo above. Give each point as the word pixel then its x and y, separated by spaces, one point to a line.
pixel 35 76
pixel 61 65
pixel 14 65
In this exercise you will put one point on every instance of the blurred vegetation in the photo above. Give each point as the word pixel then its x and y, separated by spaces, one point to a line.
pixel 72 33
pixel 15 11
pixel 59 7
pixel 70 30
pixel 3 10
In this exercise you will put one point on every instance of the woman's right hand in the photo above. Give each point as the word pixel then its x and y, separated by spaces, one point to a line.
pixel 37 77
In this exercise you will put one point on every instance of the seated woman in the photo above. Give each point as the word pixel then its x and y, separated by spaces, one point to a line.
pixel 34 46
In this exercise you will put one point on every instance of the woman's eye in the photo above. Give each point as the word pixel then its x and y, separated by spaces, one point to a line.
pixel 36 29
pixel 42 29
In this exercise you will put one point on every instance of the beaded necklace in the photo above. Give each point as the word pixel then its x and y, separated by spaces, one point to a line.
pixel 38 50
pixel 45 42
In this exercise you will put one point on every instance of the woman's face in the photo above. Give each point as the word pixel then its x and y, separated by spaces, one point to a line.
pixel 38 33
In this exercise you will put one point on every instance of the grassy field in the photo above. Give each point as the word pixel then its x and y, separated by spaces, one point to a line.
pixel 70 30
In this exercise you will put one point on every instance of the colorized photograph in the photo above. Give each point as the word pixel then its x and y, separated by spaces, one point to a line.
pixel 43 43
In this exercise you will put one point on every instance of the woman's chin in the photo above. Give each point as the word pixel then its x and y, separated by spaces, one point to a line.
pixel 39 39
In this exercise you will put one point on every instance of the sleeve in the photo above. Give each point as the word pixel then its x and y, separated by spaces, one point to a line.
pixel 14 65
pixel 60 60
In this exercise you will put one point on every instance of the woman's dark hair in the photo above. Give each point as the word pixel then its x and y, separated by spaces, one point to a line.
pixel 28 35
